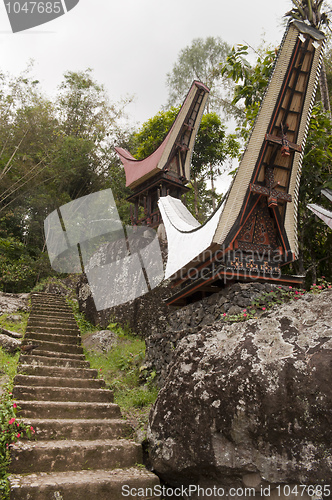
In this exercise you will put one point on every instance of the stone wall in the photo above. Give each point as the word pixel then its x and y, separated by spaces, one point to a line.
pixel 162 342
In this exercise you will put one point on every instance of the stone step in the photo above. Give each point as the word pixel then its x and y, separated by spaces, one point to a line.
pixel 42 321
pixel 52 354
pixel 89 429
pixel 86 485
pixel 57 371
pixel 55 309
pixel 45 358
pixel 69 455
pixel 67 410
pixel 55 347
pixel 56 315
pixel 51 308
pixel 26 393
pixel 72 332
pixel 53 381
pixel 51 337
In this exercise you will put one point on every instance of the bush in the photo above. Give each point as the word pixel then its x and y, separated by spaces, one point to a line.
pixel 19 270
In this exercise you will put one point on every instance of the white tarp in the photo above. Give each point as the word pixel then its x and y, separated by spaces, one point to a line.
pixel 322 213
pixel 187 239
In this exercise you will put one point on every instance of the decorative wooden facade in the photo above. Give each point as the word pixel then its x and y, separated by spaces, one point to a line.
pixel 254 233
pixel 167 170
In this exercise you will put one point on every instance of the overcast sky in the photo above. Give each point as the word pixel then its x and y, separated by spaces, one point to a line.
pixel 132 44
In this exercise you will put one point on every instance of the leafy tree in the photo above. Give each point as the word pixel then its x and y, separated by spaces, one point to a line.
pixel 212 148
pixel 200 61
pixel 250 83
pixel 50 154
pixel 315 237
pixel 152 133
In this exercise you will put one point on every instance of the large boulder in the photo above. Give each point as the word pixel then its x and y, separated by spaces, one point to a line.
pixel 12 302
pixel 249 401
pixel 9 343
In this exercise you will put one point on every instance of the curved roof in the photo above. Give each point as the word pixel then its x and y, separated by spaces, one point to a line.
pixel 182 133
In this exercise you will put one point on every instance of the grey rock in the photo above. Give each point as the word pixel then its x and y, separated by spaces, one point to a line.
pixel 14 318
pixel 234 310
pixel 102 341
pixel 9 333
pixel 9 344
pixel 249 398
pixel 13 302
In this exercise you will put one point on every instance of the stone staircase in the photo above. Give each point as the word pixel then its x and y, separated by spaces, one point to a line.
pixel 81 450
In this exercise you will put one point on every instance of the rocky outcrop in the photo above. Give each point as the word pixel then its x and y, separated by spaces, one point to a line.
pixel 9 343
pixel 12 302
pixel 161 342
pixel 99 342
pixel 249 400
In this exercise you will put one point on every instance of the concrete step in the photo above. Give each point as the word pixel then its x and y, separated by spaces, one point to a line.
pixel 57 371
pixel 46 321
pixel 52 354
pixel 53 308
pixel 33 337
pixel 59 330
pixel 26 393
pixel 89 429
pixel 81 441
pixel 67 410
pixel 56 315
pixel 53 381
pixel 69 455
pixel 86 485
pixel 58 348
pixel 44 358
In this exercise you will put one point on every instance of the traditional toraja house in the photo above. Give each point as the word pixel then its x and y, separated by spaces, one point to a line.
pixel 254 232
pixel 167 170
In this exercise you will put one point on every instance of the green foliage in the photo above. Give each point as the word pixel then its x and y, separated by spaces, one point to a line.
pixel 251 82
pixel 275 297
pixel 17 269
pixel 51 152
pixel 152 133
pixel 121 368
pixel 18 327
pixel 212 148
pixel 311 11
pixel 8 362
pixel 11 430
pixel 199 61
pixel 315 237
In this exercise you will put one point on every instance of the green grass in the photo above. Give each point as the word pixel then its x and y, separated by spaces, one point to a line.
pixel 8 369
pixel 120 368
pixel 14 326
pixel 8 365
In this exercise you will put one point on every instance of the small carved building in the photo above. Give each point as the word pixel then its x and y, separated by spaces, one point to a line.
pixel 167 170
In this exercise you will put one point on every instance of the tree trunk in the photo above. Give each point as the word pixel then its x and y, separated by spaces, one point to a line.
pixel 213 190
pixel 196 197
pixel 324 90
